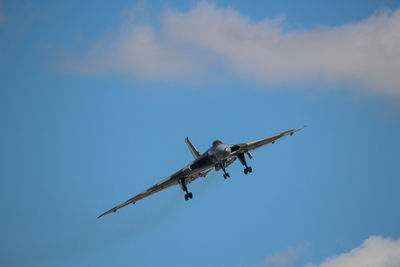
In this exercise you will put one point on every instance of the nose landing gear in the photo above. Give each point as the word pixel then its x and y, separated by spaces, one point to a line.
pixel 242 159
pixel 226 175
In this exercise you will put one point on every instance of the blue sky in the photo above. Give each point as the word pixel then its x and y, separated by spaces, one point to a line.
pixel 96 100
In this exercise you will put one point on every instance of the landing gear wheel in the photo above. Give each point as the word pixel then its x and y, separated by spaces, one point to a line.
pixel 226 175
pixel 186 197
pixel 247 170
pixel 190 195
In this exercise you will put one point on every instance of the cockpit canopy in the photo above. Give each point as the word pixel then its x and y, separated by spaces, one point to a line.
pixel 216 143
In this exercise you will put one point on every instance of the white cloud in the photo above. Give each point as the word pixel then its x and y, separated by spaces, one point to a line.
pixel 192 45
pixel 376 251
pixel 283 258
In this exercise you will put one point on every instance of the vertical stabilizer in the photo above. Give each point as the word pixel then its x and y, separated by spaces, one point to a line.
pixel 192 149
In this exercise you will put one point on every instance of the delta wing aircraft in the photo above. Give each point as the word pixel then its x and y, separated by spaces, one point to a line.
pixel 219 156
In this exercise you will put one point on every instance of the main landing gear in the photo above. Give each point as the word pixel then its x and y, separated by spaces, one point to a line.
pixel 188 194
pixel 248 170
pixel 242 159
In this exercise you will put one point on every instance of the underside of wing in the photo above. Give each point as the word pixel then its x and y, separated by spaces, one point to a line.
pixel 204 173
pixel 245 147
pixel 168 182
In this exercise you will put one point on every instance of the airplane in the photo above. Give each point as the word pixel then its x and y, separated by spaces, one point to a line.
pixel 219 156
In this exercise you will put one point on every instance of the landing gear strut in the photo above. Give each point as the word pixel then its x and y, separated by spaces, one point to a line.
pixel 242 159
pixel 226 175
pixel 188 194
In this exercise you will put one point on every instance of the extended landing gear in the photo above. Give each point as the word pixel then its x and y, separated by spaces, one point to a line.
pixel 188 194
pixel 247 170
pixel 226 175
pixel 244 163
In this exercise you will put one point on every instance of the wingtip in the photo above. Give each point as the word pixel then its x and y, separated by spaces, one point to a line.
pixel 301 128
pixel 291 132
pixel 116 208
pixel 101 215
pixel 107 212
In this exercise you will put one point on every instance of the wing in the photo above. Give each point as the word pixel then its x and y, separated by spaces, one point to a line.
pixel 204 173
pixel 246 147
pixel 168 182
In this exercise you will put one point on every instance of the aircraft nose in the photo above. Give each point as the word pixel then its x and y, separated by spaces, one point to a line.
pixel 221 152
pixel 225 152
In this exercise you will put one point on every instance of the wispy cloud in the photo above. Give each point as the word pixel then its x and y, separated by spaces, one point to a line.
pixel 286 257
pixel 375 251
pixel 194 45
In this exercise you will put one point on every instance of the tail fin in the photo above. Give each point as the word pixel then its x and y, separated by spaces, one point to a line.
pixel 192 149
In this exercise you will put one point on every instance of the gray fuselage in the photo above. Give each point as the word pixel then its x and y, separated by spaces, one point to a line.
pixel 215 155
